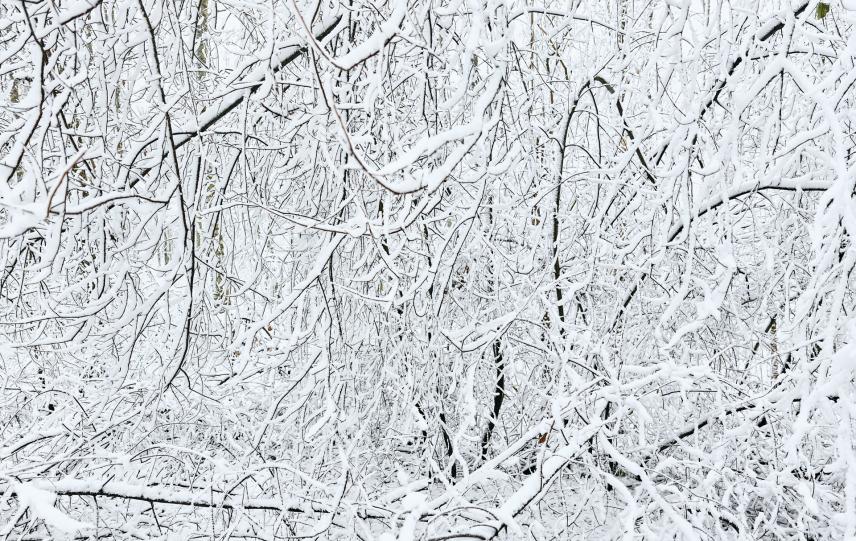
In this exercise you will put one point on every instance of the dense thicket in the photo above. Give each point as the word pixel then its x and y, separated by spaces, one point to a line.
pixel 427 269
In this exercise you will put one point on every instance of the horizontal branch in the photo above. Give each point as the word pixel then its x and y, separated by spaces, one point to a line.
pixel 174 495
